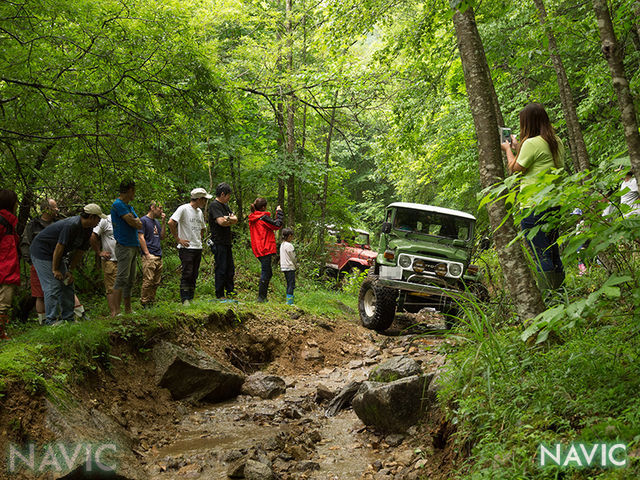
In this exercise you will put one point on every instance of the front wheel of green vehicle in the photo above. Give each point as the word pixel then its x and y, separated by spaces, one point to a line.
pixel 450 315
pixel 376 304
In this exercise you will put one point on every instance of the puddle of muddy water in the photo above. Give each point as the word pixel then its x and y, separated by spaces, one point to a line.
pixel 206 436
pixel 342 456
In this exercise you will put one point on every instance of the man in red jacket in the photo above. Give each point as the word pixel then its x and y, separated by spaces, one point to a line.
pixel 9 264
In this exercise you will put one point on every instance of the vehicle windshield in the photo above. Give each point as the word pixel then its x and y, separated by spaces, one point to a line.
pixel 350 237
pixel 362 238
pixel 432 223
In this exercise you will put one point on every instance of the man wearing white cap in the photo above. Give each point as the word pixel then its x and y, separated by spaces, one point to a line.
pixel 187 227
pixel 104 244
pixel 68 236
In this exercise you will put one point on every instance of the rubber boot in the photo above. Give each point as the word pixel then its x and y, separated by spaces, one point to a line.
pixel 263 288
pixel 289 299
pixel 4 320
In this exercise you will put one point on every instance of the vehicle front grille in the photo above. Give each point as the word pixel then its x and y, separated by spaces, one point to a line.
pixel 428 280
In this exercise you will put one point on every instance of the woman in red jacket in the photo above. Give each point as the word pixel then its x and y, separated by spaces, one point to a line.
pixel 9 265
pixel 263 240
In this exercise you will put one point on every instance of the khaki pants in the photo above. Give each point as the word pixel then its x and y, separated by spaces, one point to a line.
pixel 6 295
pixel 110 269
pixel 151 276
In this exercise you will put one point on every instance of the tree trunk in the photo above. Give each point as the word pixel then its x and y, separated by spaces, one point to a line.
pixel 613 53
pixel 518 276
pixel 279 112
pixel 236 184
pixel 28 198
pixel 290 139
pixel 212 165
pixel 303 137
pixel 281 192
pixel 636 10
pixel 576 140
pixel 290 160
pixel 325 184
pixel 303 140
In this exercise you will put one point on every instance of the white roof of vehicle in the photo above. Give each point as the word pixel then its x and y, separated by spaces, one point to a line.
pixel 431 208
pixel 333 228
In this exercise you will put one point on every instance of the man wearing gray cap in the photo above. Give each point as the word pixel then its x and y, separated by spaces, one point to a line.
pixel 187 227
pixel 48 249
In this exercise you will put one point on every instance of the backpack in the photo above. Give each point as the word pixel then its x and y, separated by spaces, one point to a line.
pixel 7 226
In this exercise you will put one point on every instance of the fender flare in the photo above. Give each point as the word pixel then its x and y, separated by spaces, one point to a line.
pixel 357 261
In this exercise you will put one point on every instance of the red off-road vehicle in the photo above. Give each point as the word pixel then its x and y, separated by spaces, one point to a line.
pixel 348 250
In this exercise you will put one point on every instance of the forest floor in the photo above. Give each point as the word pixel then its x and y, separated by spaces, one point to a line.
pixel 312 353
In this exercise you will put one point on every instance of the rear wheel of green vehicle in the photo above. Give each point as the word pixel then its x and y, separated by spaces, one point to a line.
pixel 376 304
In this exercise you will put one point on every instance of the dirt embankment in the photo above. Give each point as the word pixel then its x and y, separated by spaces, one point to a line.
pixel 171 439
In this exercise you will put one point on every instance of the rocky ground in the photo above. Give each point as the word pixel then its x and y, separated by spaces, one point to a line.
pixel 288 436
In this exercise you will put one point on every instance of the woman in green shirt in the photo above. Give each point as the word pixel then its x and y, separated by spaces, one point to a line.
pixel 539 151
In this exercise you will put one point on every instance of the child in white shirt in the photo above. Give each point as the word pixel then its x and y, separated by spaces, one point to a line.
pixel 288 262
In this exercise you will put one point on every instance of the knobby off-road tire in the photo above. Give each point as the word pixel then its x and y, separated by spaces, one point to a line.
pixel 450 315
pixel 376 304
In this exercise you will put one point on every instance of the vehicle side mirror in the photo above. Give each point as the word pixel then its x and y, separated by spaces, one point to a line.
pixel 386 227
pixel 485 243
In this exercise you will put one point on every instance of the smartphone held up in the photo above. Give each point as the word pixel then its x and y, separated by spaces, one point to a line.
pixel 505 134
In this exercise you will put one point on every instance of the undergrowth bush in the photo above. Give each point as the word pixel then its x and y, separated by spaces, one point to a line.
pixel 507 398
pixel 572 373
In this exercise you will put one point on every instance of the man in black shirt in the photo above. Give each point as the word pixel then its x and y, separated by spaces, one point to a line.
pixel 68 236
pixel 220 220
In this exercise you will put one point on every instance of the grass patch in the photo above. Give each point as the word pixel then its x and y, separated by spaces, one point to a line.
pixel 46 358
pixel 507 398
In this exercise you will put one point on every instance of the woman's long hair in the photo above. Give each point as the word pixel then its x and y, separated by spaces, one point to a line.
pixel 260 205
pixel 8 200
pixel 534 122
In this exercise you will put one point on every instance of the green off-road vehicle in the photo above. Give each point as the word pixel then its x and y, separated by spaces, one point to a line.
pixel 423 261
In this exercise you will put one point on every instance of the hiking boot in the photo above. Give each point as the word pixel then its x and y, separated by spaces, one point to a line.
pixel 263 288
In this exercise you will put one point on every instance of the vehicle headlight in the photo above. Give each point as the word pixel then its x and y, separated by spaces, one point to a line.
pixel 419 266
pixel 455 269
pixel 404 261
pixel 441 269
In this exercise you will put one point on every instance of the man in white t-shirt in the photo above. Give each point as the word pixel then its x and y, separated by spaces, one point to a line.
pixel 630 196
pixel 187 227
pixel 104 244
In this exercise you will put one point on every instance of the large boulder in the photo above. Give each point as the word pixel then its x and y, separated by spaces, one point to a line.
pixel 391 407
pixel 95 446
pixel 394 369
pixel 254 470
pixel 193 375
pixel 264 386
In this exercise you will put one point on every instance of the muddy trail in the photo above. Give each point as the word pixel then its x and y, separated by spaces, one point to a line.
pixel 291 433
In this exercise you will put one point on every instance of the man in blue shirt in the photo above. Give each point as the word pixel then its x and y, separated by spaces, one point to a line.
pixel 150 236
pixel 125 230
